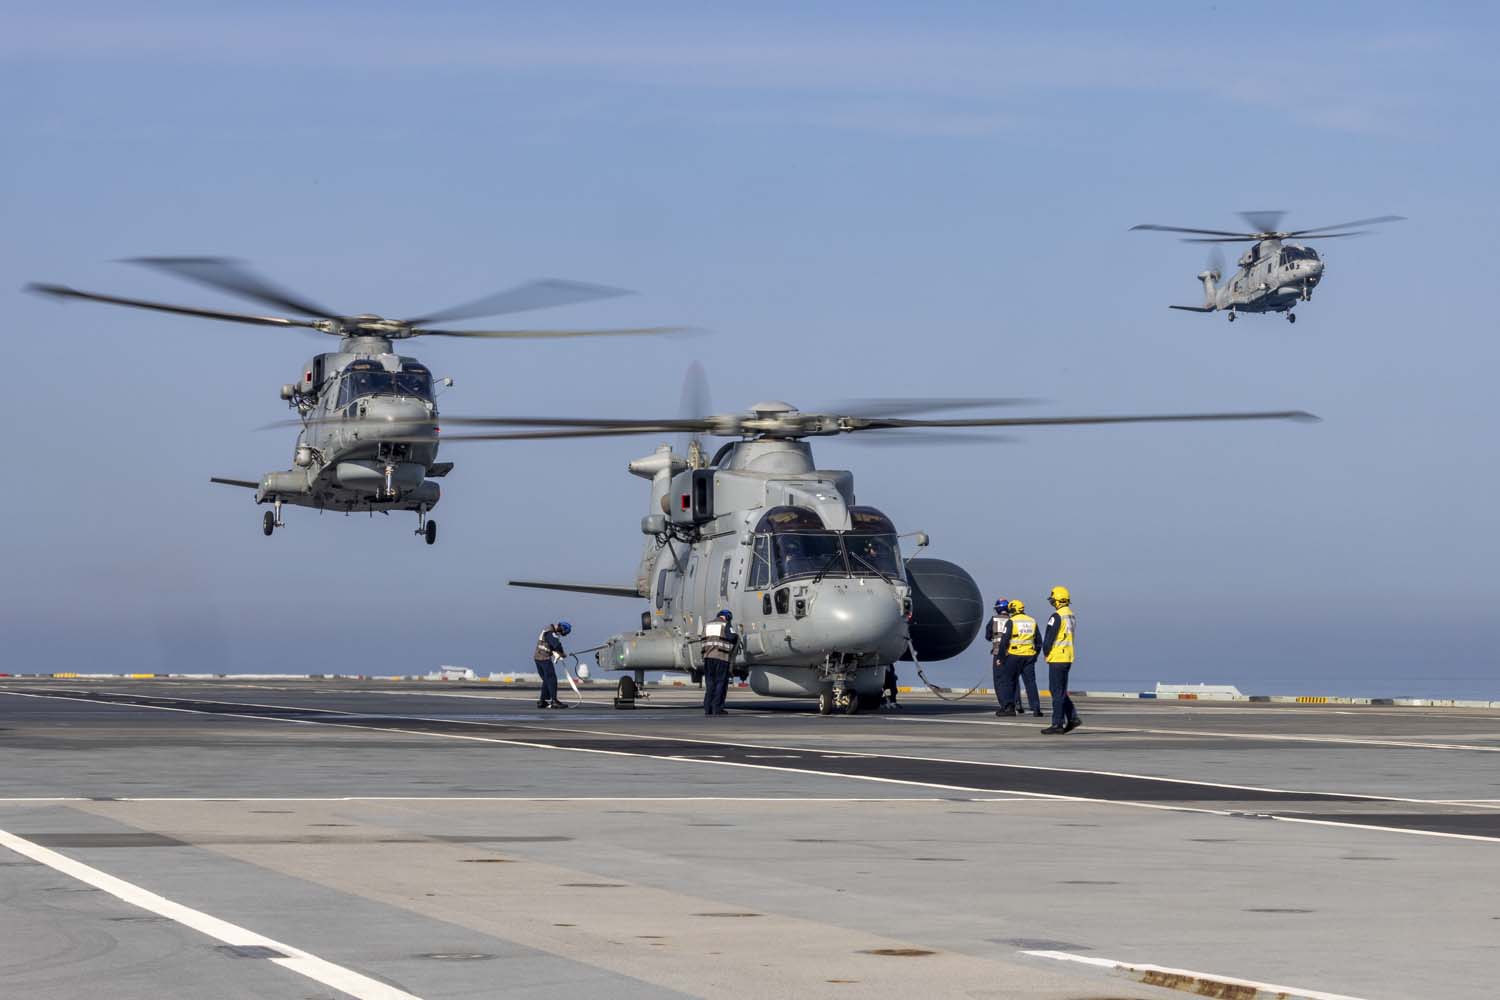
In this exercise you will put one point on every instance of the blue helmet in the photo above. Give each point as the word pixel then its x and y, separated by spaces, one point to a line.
pixel 565 628
pixel 1002 605
pixel 725 614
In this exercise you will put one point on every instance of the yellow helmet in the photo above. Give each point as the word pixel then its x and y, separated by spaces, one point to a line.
pixel 1060 596
pixel 1017 606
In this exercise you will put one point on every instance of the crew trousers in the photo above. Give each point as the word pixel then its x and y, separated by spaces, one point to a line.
pixel 547 670
pixel 715 686
pixel 1004 684
pixel 1063 712
pixel 1028 681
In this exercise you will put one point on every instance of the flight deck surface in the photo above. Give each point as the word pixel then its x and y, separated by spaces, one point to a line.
pixel 390 839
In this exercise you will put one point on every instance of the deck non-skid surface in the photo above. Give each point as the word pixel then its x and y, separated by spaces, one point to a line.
pixel 455 841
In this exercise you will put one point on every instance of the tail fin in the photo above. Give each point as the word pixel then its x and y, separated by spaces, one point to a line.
pixel 1210 291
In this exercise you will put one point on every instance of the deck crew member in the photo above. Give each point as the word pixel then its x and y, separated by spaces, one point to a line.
pixel 719 642
pixel 1018 642
pixel 1026 675
pixel 1058 648
pixel 549 650
pixel 992 631
pixel 888 687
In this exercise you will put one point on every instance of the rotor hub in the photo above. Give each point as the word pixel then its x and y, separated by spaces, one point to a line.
pixel 772 408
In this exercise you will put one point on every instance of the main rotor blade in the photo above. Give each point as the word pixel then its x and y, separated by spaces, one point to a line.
pixel 893 406
pixel 533 435
pixel 1201 232
pixel 1263 222
pixel 1229 239
pixel 232 277
pixel 895 437
pixel 1350 225
pixel 697 424
pixel 64 292
pixel 1151 418
pixel 1328 236
pixel 644 331
pixel 543 294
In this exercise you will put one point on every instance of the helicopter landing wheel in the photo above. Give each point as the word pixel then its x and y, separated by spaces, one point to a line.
pixel 825 702
pixel 268 524
pixel 851 706
pixel 1291 317
pixel 430 532
pixel 1231 316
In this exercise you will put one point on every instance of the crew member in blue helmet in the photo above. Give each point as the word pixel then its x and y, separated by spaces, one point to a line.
pixel 1004 685
pixel 719 642
pixel 549 650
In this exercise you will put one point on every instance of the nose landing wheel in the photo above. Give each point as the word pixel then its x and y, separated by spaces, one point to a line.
pixel 1231 315
pixel 1291 317
pixel 426 527
pixel 272 520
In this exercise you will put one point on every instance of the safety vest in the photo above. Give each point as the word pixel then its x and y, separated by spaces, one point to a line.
pixel 1022 635
pixel 543 651
pixel 997 625
pixel 718 640
pixel 1062 642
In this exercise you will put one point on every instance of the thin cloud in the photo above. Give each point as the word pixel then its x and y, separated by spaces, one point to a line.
pixel 872 80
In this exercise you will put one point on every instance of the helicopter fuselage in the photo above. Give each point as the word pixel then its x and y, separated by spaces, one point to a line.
pixel 369 436
pixel 820 593
pixel 1271 277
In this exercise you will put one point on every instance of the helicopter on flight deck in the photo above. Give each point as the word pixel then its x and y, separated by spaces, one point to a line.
pixel 820 592
pixel 369 435
pixel 1274 274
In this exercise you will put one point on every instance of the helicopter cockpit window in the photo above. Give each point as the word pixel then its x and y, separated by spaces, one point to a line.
pixel 760 564
pixel 378 382
pixel 414 383
pixel 1299 253
pixel 806 553
pixel 790 519
pixel 799 544
pixel 873 555
pixel 872 545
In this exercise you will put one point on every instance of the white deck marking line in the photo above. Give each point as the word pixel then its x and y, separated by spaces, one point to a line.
pixel 1385 829
pixel 729 743
pixel 781 768
pixel 799 800
pixel 1140 970
pixel 296 960
pixel 1263 737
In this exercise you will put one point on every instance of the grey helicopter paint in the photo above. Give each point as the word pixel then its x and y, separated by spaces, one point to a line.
pixel 1274 274
pixel 368 437
pixel 821 593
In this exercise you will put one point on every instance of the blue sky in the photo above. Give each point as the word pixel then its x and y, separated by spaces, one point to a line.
pixel 856 200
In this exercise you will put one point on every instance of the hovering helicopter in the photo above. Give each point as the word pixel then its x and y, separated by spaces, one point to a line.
pixel 820 591
pixel 369 437
pixel 1274 274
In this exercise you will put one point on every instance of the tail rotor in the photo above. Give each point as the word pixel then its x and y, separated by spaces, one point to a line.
pixel 695 405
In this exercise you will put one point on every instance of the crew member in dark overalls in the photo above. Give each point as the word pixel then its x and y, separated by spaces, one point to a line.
pixel 1016 642
pixel 719 642
pixel 549 649
pixel 992 631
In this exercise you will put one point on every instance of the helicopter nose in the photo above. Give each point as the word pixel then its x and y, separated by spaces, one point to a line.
pixel 399 417
pixel 858 617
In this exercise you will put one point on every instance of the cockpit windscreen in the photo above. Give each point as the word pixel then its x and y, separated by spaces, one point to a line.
pixel 378 382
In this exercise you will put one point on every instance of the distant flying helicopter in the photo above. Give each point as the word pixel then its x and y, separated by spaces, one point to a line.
pixel 816 580
pixel 1274 274
pixel 368 416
